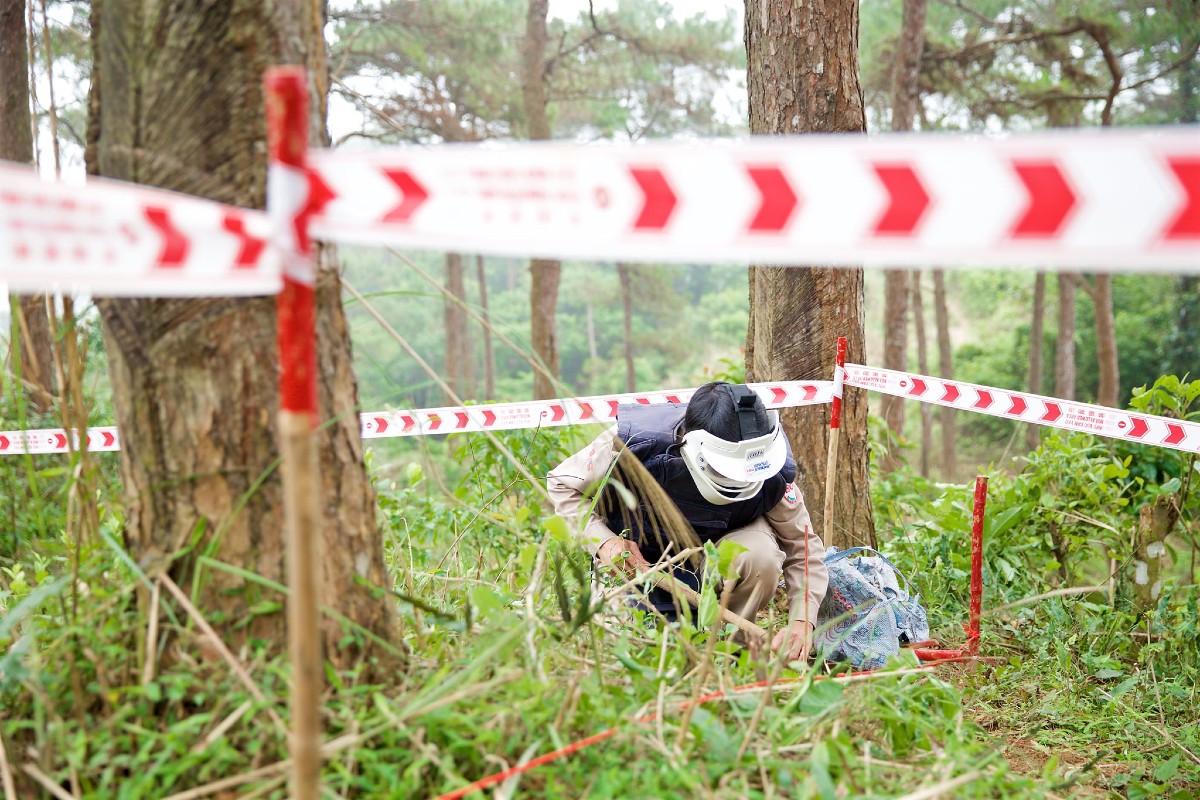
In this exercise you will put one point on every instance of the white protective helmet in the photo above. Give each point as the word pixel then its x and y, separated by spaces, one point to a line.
pixel 727 472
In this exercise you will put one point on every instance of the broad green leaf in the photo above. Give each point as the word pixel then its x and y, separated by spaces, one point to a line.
pixel 1166 770
pixel 726 553
pixel 820 697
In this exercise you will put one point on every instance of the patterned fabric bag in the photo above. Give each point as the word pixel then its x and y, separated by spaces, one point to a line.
pixel 866 614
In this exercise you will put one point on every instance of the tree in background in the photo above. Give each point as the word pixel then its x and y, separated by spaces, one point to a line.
pixel 29 339
pixel 177 103
pixel 546 273
pixel 802 76
pixel 1042 64
pixel 905 97
pixel 630 72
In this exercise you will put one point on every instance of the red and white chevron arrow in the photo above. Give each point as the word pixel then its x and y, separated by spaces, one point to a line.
pixel 1098 420
pixel 54 440
pixel 1114 199
pixel 113 238
pixel 564 411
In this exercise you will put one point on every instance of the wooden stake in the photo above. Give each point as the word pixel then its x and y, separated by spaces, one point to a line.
pixel 835 431
pixel 289 201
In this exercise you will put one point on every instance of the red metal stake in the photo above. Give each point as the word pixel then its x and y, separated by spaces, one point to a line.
pixel 835 430
pixel 288 203
pixel 976 564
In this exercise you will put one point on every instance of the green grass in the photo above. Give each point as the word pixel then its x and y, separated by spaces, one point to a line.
pixel 1083 704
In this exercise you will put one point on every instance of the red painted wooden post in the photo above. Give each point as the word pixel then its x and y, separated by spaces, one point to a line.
pixel 835 430
pixel 288 202
pixel 976 609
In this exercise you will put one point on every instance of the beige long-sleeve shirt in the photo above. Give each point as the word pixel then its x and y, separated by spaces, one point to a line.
pixel 573 483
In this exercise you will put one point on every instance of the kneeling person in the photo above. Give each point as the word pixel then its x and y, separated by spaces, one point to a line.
pixel 726 464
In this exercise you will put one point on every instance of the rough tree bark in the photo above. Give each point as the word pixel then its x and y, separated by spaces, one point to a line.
pixel 30 336
pixel 460 374
pixel 489 356
pixel 895 355
pixel 918 307
pixel 945 370
pixel 1036 352
pixel 1107 363
pixel 177 103
pixel 545 274
pixel 625 273
pixel 1064 348
pixel 803 78
pixel 906 73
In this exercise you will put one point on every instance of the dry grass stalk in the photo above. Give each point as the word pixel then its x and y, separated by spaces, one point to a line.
pixel 943 787
pixel 10 788
pixel 50 786
pixel 224 651
pixel 151 665
pixel 221 729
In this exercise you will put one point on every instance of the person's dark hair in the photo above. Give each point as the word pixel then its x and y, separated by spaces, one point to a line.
pixel 715 408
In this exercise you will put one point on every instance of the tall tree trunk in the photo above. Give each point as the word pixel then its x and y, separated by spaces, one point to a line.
pixel 923 368
pixel 489 356
pixel 1107 364
pixel 1036 352
pixel 625 273
pixel 945 370
pixel 803 78
pixel 29 337
pixel 590 320
pixel 176 102
pixel 459 354
pixel 544 273
pixel 1064 349
pixel 906 73
pixel 895 355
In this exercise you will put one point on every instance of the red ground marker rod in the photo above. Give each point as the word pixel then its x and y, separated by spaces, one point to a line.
pixel 288 203
pixel 976 564
pixel 835 430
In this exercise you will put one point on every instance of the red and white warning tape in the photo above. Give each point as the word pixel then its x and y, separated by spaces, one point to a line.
pixel 1114 199
pixel 464 419
pixel 1039 410
pixel 1099 200
pixel 54 440
pixel 1099 420
pixel 113 238
pixel 569 411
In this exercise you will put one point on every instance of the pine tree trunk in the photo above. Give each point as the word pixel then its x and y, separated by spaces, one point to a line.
pixel 30 336
pixel 906 71
pixel 895 355
pixel 905 76
pixel 1036 352
pixel 625 273
pixel 177 103
pixel 459 354
pixel 802 77
pixel 1064 350
pixel 1107 364
pixel 945 370
pixel 489 356
pixel 923 368
pixel 545 274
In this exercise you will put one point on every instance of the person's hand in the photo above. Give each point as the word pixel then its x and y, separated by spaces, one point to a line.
pixel 611 550
pixel 795 639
